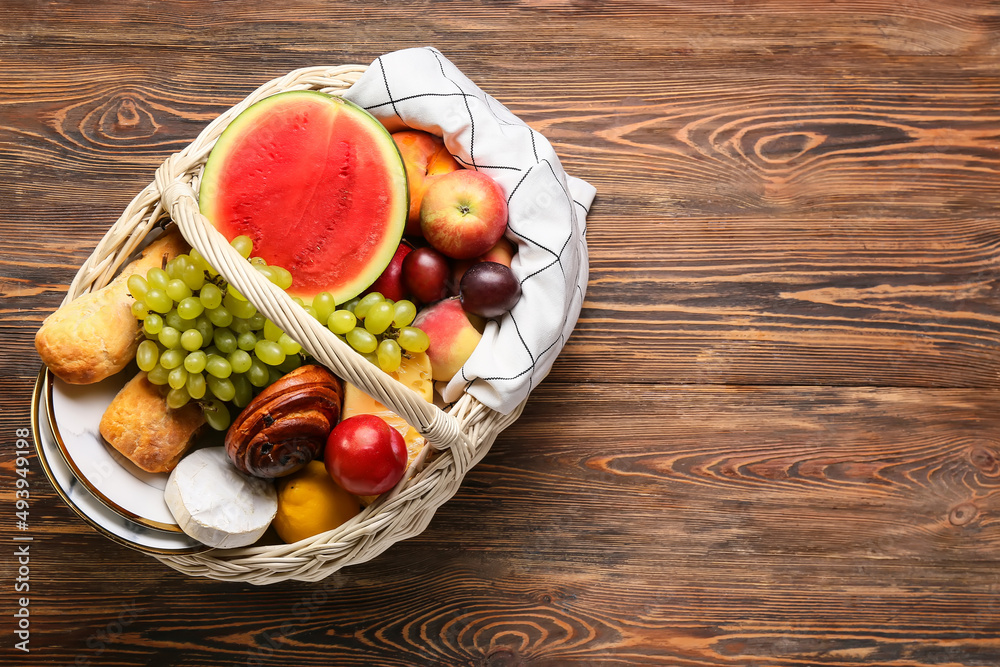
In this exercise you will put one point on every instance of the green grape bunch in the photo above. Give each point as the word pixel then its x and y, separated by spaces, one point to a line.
pixel 204 341
pixel 376 327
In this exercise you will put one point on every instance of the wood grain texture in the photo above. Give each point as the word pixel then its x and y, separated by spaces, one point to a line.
pixel 772 440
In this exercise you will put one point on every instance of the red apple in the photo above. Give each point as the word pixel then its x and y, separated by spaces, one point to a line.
pixel 464 213
pixel 365 455
pixel 390 283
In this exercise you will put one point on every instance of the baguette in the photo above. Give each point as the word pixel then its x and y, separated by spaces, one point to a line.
pixel 95 336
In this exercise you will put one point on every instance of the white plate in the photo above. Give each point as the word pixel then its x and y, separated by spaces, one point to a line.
pixel 74 416
pixel 75 494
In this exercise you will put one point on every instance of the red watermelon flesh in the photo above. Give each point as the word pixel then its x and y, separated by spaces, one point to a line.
pixel 319 186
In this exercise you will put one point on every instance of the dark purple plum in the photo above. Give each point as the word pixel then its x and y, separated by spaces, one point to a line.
pixel 489 289
pixel 427 275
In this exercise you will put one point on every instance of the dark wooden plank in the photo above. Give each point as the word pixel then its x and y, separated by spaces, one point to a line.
pixel 691 526
pixel 771 441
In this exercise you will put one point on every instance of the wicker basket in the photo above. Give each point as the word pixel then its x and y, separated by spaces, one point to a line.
pixel 461 435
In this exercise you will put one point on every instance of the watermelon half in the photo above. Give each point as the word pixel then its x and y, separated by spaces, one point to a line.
pixel 319 186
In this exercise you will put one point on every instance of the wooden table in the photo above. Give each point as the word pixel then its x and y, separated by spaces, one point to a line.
pixel 773 439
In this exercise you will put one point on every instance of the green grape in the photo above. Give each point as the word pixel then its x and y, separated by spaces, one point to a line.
pixel 172 319
pixel 341 321
pixel 378 318
pixel 273 374
pixel 243 245
pixel 139 310
pixel 137 286
pixel 156 299
pixel 177 398
pixel 323 304
pixel 287 345
pixel 311 312
pixel 389 355
pixel 372 358
pixel 193 276
pixel 281 277
pixel 269 352
pixel 195 361
pixel 205 328
pixel 177 290
pixel 239 308
pixel 257 374
pixel 256 321
pixel 272 331
pixel 413 339
pixel 361 340
pixel 171 359
pixel 220 317
pixel 225 340
pixel 158 375
pixel 298 301
pixel 173 267
pixel 157 277
pixel 290 363
pixel 192 340
pixel 196 385
pixel 216 414
pixel 221 388
pixel 246 341
pixel 240 360
pixel 243 390
pixel 177 377
pixel 190 308
pixel 403 313
pixel 265 271
pixel 153 324
pixel 235 293
pixel 351 304
pixel 218 366
pixel 257 262
pixel 196 260
pixel 210 350
pixel 169 337
pixel 146 355
pixel 210 296
pixel 239 326
pixel 366 302
pixel 202 263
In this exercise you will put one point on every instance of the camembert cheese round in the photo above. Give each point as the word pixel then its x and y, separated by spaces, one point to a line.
pixel 215 503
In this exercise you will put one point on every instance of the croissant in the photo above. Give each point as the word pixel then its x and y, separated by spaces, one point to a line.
pixel 286 426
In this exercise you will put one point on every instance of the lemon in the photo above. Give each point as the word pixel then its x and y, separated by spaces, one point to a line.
pixel 310 502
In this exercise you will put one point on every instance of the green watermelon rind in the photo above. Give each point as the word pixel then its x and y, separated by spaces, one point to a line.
pixel 393 161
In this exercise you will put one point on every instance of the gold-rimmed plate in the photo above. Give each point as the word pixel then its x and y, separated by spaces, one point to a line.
pixel 79 498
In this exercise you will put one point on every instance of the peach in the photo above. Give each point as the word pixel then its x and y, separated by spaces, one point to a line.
pixel 425 158
pixel 453 335
pixel 464 213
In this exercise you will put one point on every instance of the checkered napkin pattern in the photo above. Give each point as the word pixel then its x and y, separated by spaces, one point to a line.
pixel 421 89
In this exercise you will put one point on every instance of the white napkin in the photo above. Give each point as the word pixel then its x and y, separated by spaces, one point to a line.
pixel 421 89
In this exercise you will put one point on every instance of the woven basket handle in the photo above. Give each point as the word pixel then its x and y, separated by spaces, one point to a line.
pixel 441 429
